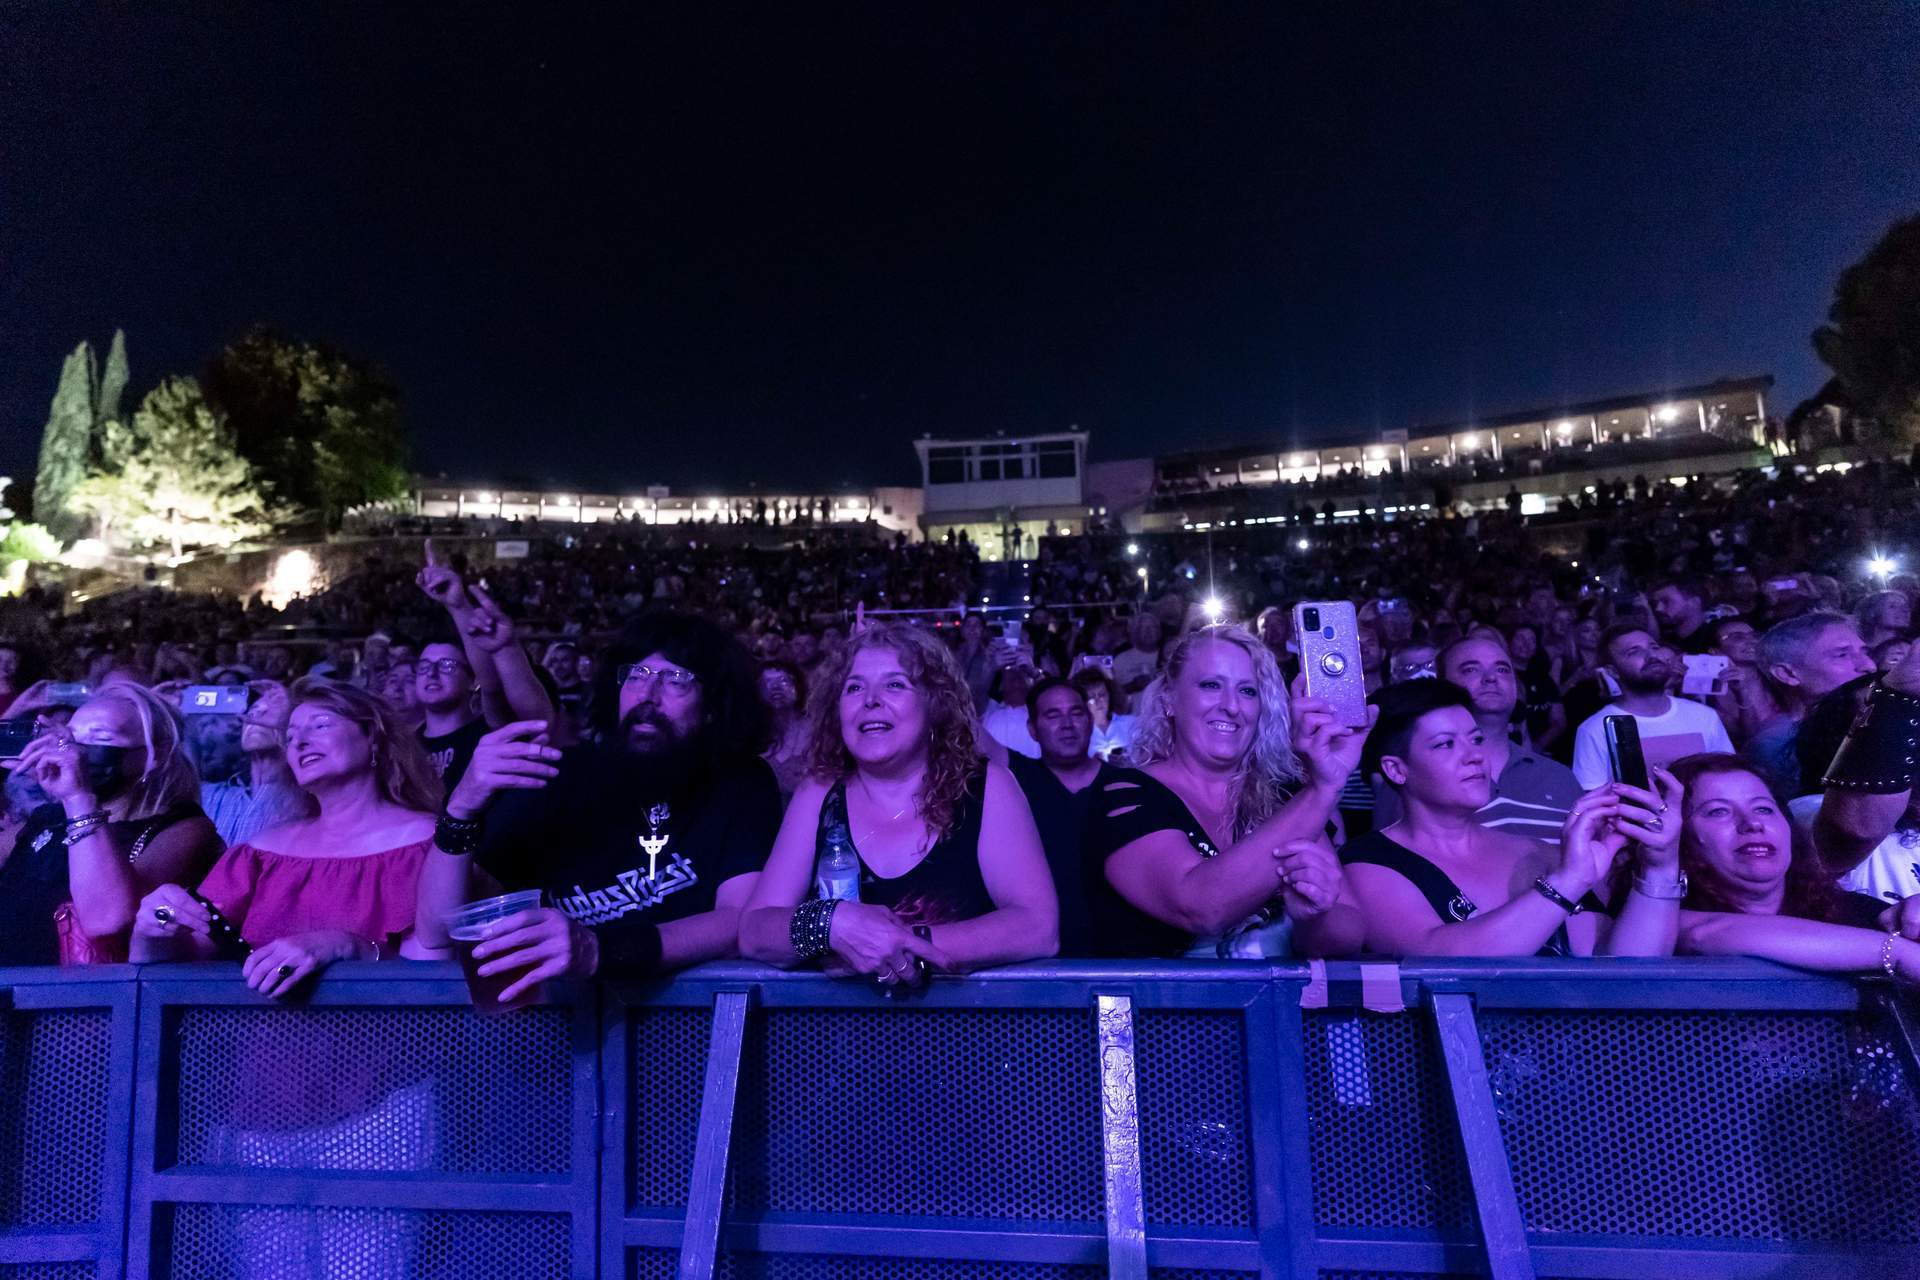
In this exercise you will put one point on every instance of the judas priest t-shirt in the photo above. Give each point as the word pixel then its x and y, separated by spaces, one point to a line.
pixel 612 848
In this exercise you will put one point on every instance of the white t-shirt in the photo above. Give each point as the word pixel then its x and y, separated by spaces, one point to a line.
pixel 1684 729
pixel 1890 873
pixel 1008 727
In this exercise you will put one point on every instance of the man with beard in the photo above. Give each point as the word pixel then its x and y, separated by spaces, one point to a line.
pixel 644 846
pixel 1669 727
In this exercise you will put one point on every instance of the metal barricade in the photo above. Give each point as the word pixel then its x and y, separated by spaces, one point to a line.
pixel 1048 1122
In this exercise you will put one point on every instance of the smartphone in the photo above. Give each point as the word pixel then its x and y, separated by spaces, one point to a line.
pixel 1329 635
pixel 15 735
pixel 1625 761
pixel 215 700
pixel 1102 660
pixel 68 693
pixel 1013 634
pixel 1705 675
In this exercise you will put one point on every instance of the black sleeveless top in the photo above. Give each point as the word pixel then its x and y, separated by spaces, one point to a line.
pixel 1447 899
pixel 941 888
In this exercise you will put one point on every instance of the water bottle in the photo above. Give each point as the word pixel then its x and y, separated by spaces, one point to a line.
pixel 836 876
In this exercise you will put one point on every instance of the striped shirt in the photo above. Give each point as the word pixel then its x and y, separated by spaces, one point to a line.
pixel 1532 798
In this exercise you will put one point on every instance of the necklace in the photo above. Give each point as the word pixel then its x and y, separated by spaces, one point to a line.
pixel 898 814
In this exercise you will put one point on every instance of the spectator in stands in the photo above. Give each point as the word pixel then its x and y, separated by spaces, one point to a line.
pixel 482 682
pixel 562 662
pixel 1756 888
pixel 1531 795
pixel 975 657
pixel 1670 727
pixel 1747 703
pixel 951 872
pixel 1542 715
pixel 1059 786
pixel 1216 842
pixel 265 795
pixel 1883 616
pixel 1413 660
pixel 783 687
pixel 646 844
pixel 1889 654
pixel 1439 882
pixel 1005 719
pixel 336 885
pixel 1112 732
pixel 20 667
pixel 121 817
pixel 1804 659
pixel 1680 607
pixel 1373 657
pixel 1135 665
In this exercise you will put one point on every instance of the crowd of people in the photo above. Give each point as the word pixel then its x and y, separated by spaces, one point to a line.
pixel 678 753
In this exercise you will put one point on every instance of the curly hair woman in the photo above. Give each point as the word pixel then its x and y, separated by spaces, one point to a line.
pixel 950 869
pixel 1216 842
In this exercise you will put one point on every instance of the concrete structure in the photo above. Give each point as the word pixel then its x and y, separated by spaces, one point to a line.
pixel 1005 493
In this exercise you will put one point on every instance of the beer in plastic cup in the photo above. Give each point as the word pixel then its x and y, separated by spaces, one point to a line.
pixel 468 926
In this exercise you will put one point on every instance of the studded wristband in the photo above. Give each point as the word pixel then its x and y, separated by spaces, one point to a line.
pixel 459 836
pixel 1556 897
pixel 1881 753
pixel 811 930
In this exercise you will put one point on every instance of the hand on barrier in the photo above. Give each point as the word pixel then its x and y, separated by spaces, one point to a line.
pixel 169 912
pixel 1309 878
pixel 513 757
pixel 872 941
pixel 544 942
pixel 276 968
pixel 1329 750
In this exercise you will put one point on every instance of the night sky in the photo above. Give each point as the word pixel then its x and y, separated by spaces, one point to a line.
pixel 604 246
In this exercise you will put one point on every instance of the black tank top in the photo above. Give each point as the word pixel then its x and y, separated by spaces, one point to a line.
pixel 1447 899
pixel 941 888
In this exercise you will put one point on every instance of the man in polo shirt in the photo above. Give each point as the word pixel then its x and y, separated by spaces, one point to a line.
pixel 1531 794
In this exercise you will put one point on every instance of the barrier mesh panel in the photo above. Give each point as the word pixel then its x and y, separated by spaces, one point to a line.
pixel 47 1271
pixel 53 1104
pixel 667 1067
pixel 1385 1149
pixel 811 1266
pixel 653 1264
pixel 438 1089
pixel 1195 1132
pixel 1776 1126
pixel 975 1113
pixel 236 1242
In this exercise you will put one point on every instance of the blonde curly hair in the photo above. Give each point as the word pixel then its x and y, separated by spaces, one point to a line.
pixel 953 732
pixel 1269 771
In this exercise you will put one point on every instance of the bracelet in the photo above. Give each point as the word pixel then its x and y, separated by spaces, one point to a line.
pixel 1677 893
pixel 86 824
pixel 811 929
pixel 457 836
pixel 1557 898
pixel 1886 954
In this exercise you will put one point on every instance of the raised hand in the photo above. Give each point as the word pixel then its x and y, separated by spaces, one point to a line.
pixel 442 584
pixel 1329 750
pixel 1590 840
pixel 513 757
pixel 486 623
pixel 53 761
pixel 1652 820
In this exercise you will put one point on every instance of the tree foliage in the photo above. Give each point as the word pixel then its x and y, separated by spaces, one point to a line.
pixel 66 445
pixel 172 477
pixel 1872 336
pixel 322 429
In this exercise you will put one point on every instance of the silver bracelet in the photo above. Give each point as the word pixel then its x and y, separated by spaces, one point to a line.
pixel 1886 955
pixel 1674 893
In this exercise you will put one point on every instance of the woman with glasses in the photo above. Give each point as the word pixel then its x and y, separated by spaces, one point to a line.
pixel 784 687
pixel 905 848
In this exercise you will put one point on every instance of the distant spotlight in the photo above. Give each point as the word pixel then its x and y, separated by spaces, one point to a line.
pixel 1667 412
pixel 1142 573
pixel 1301 545
pixel 1214 608
pixel 1133 548
pixel 1189 575
pixel 1881 567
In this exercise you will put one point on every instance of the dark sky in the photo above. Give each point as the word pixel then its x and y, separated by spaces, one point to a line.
pixel 693 244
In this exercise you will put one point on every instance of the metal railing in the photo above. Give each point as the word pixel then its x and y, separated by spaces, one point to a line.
pixel 1048 1122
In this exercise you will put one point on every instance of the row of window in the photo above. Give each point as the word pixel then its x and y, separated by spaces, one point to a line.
pixel 1012 460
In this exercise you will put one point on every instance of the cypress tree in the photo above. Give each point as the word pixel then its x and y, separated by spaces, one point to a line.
pixel 67 444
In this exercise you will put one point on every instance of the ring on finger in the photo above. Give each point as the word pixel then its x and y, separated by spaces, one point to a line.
pixel 163 914
pixel 284 972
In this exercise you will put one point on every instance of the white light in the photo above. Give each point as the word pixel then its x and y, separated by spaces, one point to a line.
pixel 1133 548
pixel 1566 426
pixel 1142 573
pixel 1301 545
pixel 1881 567
pixel 1214 608
pixel 713 504
pixel 1469 442
pixel 293 575
pixel 1667 412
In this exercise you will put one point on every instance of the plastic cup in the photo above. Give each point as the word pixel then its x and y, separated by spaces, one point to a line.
pixel 468 926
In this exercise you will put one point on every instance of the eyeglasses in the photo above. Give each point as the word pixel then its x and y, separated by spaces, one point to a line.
pixel 673 677
pixel 445 666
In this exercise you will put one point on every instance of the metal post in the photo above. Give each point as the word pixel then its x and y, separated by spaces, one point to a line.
pixel 1119 1143
pixel 1501 1227
pixel 707 1189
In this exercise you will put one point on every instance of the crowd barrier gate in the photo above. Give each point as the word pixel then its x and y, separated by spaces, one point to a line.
pixel 1616 1118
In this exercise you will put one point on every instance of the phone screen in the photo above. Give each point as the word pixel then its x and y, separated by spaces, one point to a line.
pixel 1625 760
pixel 14 737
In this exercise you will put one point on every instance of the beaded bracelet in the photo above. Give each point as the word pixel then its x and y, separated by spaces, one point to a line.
pixel 811 930
pixel 1886 954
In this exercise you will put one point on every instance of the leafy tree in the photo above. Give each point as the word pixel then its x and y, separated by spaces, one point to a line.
pixel 1872 336
pixel 172 477
pixel 322 429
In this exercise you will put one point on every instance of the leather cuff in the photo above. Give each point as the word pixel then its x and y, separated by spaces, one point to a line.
pixel 1879 753
pixel 630 951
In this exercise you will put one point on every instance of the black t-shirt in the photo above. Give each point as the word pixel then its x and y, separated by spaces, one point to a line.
pixel 1123 807
pixel 1061 816
pixel 582 840
pixel 451 753
pixel 943 887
